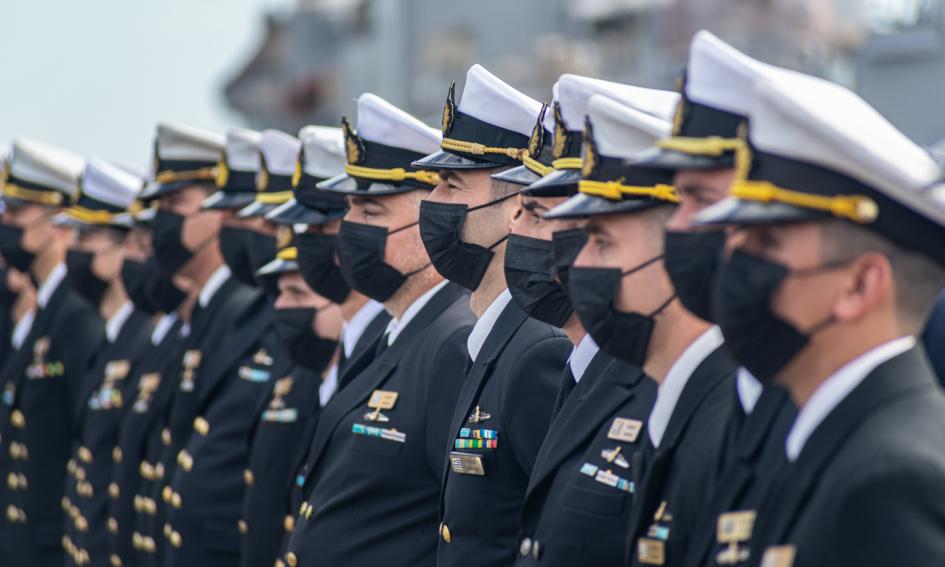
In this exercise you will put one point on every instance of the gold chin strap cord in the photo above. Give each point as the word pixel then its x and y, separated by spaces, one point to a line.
pixel 290 253
pixel 89 216
pixel 202 174
pixel 568 163
pixel 49 198
pixel 857 208
pixel 536 166
pixel 449 144
pixel 712 146
pixel 615 190
pixel 395 174
pixel 276 198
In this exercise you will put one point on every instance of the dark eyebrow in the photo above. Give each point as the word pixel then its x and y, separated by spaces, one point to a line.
pixel 532 205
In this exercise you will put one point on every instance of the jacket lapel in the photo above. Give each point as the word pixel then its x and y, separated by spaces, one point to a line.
pixel 364 349
pixel 365 382
pixel 583 414
pixel 902 375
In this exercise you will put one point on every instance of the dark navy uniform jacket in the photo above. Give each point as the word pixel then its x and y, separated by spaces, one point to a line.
pixel 513 384
pixel 379 448
pixel 152 388
pixel 102 401
pixel 866 489
pixel 206 484
pixel 579 496
pixel 753 458
pixel 37 434
pixel 673 495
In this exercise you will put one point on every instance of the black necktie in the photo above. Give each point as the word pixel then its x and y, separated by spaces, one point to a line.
pixel 342 358
pixel 382 346
pixel 567 386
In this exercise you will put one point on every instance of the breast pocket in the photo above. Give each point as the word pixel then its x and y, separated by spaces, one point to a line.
pixel 601 502
pixel 379 441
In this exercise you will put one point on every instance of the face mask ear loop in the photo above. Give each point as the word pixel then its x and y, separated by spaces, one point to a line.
pixel 490 203
pixel 418 270
pixel 499 241
pixel 663 306
pixel 405 227
pixel 641 266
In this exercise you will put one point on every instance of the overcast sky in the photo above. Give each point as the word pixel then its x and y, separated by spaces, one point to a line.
pixel 95 75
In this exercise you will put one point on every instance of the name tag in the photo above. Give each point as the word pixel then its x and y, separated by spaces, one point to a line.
pixel 734 527
pixel 626 430
pixel 466 463
pixel 779 556
pixel 651 551
pixel 388 434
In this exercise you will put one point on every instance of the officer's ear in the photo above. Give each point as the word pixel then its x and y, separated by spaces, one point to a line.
pixel 869 287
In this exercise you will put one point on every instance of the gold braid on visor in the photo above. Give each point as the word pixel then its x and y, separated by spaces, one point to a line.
pixel 276 198
pixel 202 174
pixel 290 253
pixel 712 146
pixel 615 190
pixel 568 163
pixel 49 198
pixel 857 208
pixel 395 174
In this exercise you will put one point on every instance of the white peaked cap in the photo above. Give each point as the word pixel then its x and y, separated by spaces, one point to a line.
pixel 280 150
pixel 622 131
pixel 242 149
pixel 177 141
pixel 46 165
pixel 720 76
pixel 492 100
pixel 812 120
pixel 110 184
pixel 383 123
pixel 324 149
pixel 574 92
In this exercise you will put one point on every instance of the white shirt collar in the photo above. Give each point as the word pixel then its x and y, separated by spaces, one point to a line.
pixel 581 357
pixel 676 380
pixel 749 389
pixel 22 328
pixel 214 283
pixel 484 325
pixel 329 385
pixel 164 325
pixel 49 287
pixel 396 326
pixel 836 388
pixel 117 321
pixel 352 330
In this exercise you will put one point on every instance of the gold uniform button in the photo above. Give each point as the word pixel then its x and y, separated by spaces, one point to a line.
pixel 85 454
pixel 82 524
pixel 175 539
pixel 113 490
pixel 146 470
pixel 248 477
pixel 138 503
pixel 117 456
pixel 113 525
pixel 150 506
pixel 176 500
pixel 65 503
pixel 288 523
pixel 280 563
pixel 525 547
pixel 166 437
pixel 445 533
pixel 17 419
pixel 136 541
pixel 114 560
pixel 243 526
pixel 167 530
pixel 201 426
pixel 167 493
pixel 12 514
pixel 149 545
pixel 292 559
pixel 159 471
pixel 70 466
pixel 185 460
pixel 12 481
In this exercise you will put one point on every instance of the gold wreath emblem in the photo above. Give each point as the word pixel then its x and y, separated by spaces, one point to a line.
pixel 449 111
pixel 590 151
pixel 562 136
pixel 354 147
pixel 537 140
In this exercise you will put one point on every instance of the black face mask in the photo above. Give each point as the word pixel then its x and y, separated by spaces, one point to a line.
pixel 361 250
pixel 167 239
pixel 565 247
pixel 83 279
pixel 692 261
pixel 318 266
pixel 160 289
pixel 11 238
pixel 760 340
pixel 622 335
pixel 307 349
pixel 441 227
pixel 529 273
pixel 7 295
pixel 245 251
